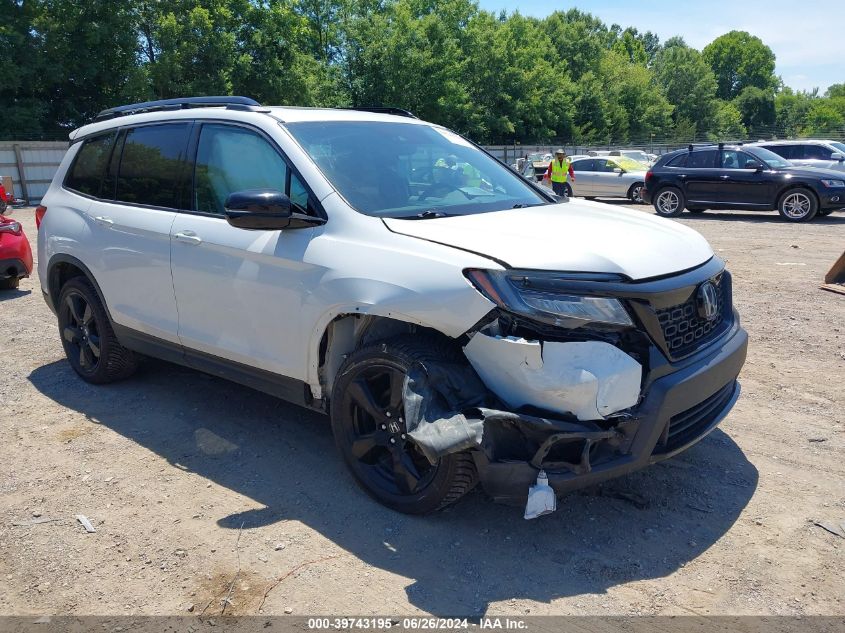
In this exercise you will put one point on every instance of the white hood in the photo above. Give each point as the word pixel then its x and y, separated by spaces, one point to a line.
pixel 576 236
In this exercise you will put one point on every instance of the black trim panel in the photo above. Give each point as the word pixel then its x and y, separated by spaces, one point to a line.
pixel 289 389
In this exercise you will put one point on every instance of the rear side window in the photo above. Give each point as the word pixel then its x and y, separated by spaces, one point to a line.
pixel 584 165
pixel 233 159
pixel 702 160
pixel 789 152
pixel 679 161
pixel 151 165
pixel 86 174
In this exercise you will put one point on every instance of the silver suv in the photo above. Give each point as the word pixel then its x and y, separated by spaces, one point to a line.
pixel 810 153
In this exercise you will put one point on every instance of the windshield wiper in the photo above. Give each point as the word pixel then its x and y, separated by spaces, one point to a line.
pixel 520 205
pixel 430 214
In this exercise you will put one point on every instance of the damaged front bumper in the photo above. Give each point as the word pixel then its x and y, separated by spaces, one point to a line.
pixel 678 408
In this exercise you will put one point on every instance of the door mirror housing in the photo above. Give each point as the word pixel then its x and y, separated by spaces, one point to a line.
pixel 837 156
pixel 265 209
pixel 618 170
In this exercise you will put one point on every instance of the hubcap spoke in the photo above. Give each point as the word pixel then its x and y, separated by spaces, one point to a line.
pixel 85 357
pixel 397 386
pixel 364 445
pixel 87 315
pixel 362 395
pixel 94 344
pixel 77 308
pixel 404 471
pixel 71 334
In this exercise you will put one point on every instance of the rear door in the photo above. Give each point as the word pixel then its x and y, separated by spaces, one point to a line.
pixel 701 178
pixel 130 224
pixel 239 291
pixel 585 176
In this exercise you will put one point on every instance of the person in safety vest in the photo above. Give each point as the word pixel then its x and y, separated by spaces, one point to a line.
pixel 559 171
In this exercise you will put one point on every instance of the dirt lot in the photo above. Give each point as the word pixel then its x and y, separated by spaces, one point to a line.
pixel 170 465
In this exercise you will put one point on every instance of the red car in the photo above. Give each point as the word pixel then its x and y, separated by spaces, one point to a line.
pixel 6 198
pixel 15 253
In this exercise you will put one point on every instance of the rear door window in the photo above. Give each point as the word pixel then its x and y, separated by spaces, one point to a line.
pixel 86 174
pixel 705 159
pixel 789 152
pixel 151 165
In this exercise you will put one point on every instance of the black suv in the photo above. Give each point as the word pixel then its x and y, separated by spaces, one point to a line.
pixel 741 177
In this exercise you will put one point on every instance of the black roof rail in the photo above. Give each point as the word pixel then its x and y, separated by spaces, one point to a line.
pixel 385 110
pixel 180 103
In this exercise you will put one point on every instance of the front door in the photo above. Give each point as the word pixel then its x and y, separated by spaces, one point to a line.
pixel 744 181
pixel 240 292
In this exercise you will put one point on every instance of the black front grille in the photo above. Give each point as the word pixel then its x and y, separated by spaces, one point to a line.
pixel 684 329
pixel 687 425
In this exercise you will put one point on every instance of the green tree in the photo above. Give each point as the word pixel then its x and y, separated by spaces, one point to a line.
pixel 577 39
pixel 688 83
pixel 740 60
pixel 823 118
pixel 727 122
pixel 757 108
pixel 791 110
pixel 22 106
pixel 836 90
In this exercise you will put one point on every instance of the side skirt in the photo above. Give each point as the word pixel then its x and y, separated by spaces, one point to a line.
pixel 289 389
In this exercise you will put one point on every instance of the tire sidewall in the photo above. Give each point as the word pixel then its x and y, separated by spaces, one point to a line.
pixel 432 496
pixel 635 193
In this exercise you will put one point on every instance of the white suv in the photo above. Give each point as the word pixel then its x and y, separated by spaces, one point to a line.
pixel 458 323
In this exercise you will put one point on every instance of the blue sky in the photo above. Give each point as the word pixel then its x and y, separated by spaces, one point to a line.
pixel 805 36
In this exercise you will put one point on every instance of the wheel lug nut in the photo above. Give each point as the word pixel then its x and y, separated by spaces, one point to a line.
pixel 402 436
pixel 383 427
pixel 393 440
pixel 387 414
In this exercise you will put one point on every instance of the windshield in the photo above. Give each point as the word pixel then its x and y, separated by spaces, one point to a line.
pixel 629 164
pixel 770 158
pixel 408 170
pixel 840 147
pixel 636 155
pixel 538 157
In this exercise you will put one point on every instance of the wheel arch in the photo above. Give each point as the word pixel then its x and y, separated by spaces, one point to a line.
pixel 63 268
pixel 796 185
pixel 351 329
pixel 630 191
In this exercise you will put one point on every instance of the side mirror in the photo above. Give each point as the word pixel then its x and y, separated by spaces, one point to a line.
pixel 618 170
pixel 265 209
pixel 757 167
pixel 837 156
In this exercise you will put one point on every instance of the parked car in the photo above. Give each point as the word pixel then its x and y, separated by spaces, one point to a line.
pixel 15 254
pixel 745 177
pixel 535 165
pixel 634 154
pixel 809 153
pixel 454 334
pixel 611 177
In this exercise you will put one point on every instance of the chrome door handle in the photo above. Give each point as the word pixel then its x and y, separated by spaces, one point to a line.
pixel 104 220
pixel 188 237
pixel 725 177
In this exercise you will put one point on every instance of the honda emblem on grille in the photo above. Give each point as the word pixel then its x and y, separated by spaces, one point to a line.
pixel 708 301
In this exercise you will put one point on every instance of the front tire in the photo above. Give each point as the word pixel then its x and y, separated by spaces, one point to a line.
pixel 91 347
pixel 367 412
pixel 669 202
pixel 798 205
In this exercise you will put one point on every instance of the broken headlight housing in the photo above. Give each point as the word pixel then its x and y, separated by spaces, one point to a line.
pixel 538 295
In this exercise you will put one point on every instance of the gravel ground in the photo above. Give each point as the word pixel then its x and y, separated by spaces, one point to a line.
pixel 199 488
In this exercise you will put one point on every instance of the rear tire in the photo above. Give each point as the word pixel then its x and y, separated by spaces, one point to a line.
pixel 367 421
pixel 635 193
pixel 798 205
pixel 669 202
pixel 91 347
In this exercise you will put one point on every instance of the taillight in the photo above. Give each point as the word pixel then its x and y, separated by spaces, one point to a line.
pixel 648 175
pixel 39 215
pixel 11 226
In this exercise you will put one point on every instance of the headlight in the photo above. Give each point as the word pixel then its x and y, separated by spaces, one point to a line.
pixel 531 294
pixel 833 183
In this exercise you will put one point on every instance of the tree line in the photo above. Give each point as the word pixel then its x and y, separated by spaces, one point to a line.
pixel 495 78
